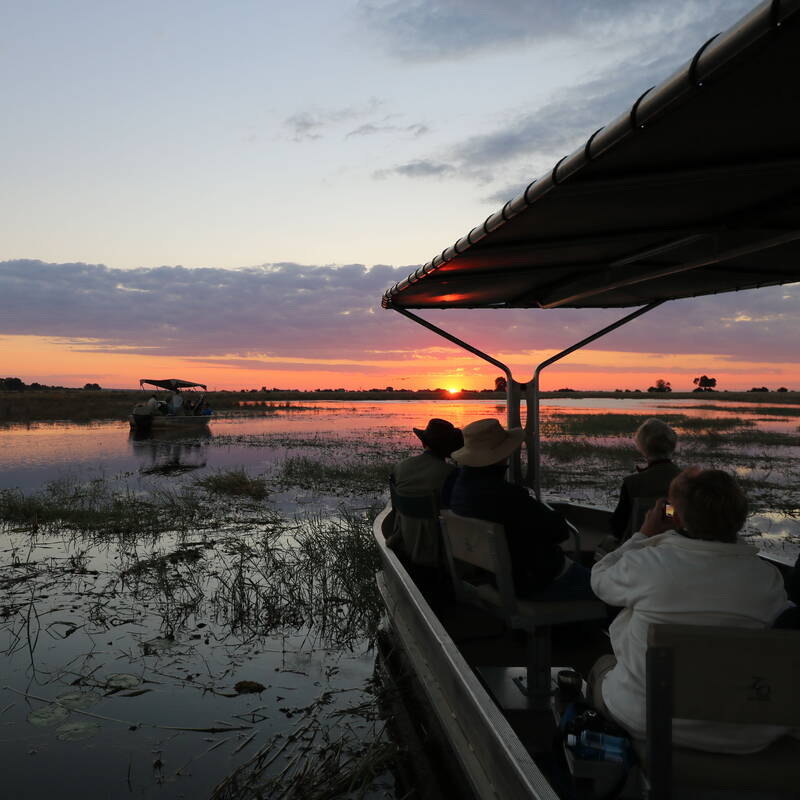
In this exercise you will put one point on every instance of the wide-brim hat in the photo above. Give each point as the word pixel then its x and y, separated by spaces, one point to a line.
pixel 487 442
pixel 441 436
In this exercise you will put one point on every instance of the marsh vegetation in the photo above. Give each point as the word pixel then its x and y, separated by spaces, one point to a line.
pixel 203 613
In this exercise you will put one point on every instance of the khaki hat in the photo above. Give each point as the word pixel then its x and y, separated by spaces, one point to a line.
pixel 487 442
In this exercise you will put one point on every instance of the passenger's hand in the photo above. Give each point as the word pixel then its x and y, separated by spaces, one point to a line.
pixel 655 522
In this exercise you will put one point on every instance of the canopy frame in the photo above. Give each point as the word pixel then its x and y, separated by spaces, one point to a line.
pixel 171 384
pixel 514 389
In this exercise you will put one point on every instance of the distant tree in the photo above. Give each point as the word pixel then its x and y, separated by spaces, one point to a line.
pixel 704 383
pixel 11 384
pixel 758 389
pixel 565 389
pixel 661 386
pixel 264 389
pixel 94 387
pixel 782 389
pixel 500 384
pixel 387 389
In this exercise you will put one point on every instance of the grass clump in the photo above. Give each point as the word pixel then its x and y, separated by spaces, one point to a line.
pixel 235 483
pixel 717 424
pixel 95 507
pixel 606 424
pixel 573 450
pixel 353 477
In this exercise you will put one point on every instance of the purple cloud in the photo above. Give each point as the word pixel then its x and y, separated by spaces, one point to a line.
pixel 291 311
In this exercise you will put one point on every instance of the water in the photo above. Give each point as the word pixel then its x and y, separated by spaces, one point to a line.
pixel 231 590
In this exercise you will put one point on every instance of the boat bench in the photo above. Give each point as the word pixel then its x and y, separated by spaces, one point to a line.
pixel 482 544
pixel 735 675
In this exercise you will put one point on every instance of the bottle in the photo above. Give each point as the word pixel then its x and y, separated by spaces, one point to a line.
pixel 599 746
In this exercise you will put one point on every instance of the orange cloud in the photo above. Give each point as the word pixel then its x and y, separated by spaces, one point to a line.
pixel 70 363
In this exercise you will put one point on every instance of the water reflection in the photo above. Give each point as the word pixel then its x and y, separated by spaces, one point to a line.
pixel 170 453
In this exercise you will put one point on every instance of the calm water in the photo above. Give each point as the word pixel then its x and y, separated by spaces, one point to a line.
pixel 180 615
pixel 31 456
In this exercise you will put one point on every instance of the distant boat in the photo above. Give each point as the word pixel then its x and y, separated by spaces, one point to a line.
pixel 170 408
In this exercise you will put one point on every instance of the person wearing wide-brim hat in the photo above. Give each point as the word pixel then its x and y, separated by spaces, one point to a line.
pixel 533 531
pixel 440 437
pixel 424 475
pixel 487 442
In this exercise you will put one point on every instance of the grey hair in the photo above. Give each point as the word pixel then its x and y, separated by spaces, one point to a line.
pixel 656 439
pixel 710 503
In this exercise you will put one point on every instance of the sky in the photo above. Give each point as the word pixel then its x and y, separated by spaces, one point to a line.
pixel 222 191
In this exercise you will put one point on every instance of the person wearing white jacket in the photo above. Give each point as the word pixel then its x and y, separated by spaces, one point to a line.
pixel 688 569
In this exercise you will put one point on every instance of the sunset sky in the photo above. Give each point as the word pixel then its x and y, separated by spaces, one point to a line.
pixel 223 191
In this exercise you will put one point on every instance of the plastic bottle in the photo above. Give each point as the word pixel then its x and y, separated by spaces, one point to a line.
pixel 599 746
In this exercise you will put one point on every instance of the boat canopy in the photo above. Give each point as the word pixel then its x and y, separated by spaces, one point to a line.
pixel 170 383
pixel 694 190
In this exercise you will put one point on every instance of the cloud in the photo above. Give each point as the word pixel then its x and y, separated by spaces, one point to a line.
pixel 289 315
pixel 422 168
pixel 369 129
pixel 531 142
pixel 309 125
pixel 448 29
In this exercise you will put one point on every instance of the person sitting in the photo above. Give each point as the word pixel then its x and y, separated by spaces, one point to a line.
pixel 656 441
pixel 539 568
pixel 424 474
pixel 688 569
pixel 153 405
pixel 174 402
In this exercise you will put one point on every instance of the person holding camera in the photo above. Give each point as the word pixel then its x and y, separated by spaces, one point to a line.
pixel 685 566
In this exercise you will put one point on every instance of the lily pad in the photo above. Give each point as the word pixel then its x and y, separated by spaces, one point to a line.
pixel 122 680
pixel 79 700
pixel 51 714
pixel 73 731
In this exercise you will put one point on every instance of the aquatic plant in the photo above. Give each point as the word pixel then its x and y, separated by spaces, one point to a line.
pixel 335 477
pixel 235 482
pixel 94 506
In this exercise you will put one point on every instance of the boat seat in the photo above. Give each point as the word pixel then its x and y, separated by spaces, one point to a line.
pixel 421 506
pixel 482 544
pixel 732 675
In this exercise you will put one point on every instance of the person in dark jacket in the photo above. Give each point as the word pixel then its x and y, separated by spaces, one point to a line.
pixel 424 474
pixel 656 441
pixel 540 569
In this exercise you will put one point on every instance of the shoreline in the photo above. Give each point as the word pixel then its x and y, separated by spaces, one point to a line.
pixel 80 405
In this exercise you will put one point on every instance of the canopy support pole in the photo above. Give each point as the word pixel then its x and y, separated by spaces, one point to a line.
pixel 532 423
pixel 513 388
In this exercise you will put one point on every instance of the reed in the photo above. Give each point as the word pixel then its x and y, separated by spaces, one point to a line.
pixel 97 508
pixel 367 475
pixel 235 483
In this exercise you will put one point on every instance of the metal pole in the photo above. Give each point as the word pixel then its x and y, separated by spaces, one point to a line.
pixel 532 423
pixel 512 387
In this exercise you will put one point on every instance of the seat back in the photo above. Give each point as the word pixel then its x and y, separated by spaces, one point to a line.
pixel 422 506
pixel 734 675
pixel 482 544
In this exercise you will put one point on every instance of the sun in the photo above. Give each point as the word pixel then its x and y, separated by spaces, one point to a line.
pixel 453 390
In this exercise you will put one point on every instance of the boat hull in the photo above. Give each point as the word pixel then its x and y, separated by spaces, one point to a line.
pixel 146 422
pixel 489 752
